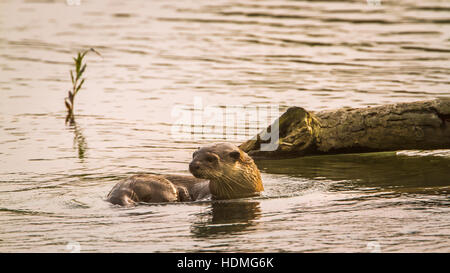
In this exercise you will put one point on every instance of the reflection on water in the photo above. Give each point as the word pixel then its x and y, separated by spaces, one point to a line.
pixel 161 54
pixel 227 217
pixel 79 141
pixel 381 171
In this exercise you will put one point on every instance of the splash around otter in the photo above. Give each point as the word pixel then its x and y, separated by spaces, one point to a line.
pixel 220 171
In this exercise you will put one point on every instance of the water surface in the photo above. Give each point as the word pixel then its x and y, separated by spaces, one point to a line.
pixel 160 54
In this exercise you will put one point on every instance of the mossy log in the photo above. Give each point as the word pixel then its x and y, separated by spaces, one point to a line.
pixel 403 126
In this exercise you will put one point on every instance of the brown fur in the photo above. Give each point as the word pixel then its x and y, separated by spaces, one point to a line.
pixel 222 171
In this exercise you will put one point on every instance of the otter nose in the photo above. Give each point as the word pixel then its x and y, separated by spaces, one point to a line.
pixel 194 166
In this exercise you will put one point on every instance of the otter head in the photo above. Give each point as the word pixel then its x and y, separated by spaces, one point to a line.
pixel 232 173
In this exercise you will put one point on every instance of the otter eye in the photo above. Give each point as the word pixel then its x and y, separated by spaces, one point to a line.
pixel 194 154
pixel 235 154
pixel 210 158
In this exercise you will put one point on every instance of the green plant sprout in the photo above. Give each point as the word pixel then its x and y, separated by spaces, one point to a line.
pixel 77 82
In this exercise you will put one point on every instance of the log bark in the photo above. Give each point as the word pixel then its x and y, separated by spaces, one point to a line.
pixel 404 126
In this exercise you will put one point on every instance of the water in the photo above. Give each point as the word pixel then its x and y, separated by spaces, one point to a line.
pixel 160 54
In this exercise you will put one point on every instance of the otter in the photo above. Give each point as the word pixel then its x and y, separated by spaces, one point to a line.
pixel 220 171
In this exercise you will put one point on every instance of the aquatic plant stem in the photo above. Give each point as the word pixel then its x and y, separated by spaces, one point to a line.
pixel 77 83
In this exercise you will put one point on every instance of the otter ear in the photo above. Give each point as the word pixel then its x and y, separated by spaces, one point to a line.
pixel 235 154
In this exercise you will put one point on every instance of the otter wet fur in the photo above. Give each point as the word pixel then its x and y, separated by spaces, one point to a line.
pixel 220 171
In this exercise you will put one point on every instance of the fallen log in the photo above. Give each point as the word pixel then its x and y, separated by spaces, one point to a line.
pixel 420 125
